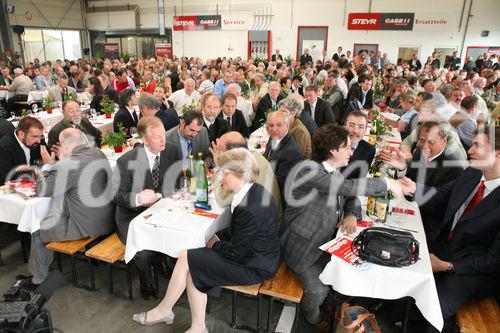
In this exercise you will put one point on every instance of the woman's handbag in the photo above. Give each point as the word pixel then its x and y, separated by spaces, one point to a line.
pixel 356 319
pixel 387 247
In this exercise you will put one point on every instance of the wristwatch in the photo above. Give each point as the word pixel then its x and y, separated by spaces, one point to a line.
pixel 450 268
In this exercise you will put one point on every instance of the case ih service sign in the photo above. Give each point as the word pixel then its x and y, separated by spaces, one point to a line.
pixel 381 21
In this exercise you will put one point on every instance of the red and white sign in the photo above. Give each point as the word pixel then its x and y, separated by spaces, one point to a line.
pixel 163 50
pixel 435 22
pixel 184 23
pixel 364 21
pixel 236 23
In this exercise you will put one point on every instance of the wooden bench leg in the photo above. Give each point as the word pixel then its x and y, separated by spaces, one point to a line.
pixel 91 274
pixel 73 271
pixel 259 313
pixel 59 262
pixel 296 318
pixel 129 282
pixel 270 314
pixel 233 310
pixel 110 279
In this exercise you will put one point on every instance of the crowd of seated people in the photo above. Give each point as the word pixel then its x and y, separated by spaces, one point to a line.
pixel 316 115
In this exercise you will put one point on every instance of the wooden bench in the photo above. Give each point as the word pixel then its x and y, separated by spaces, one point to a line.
pixel 111 250
pixel 71 248
pixel 285 286
pixel 479 317
pixel 252 290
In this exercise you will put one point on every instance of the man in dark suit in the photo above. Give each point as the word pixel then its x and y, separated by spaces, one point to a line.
pixel 167 114
pixel 81 200
pixel 267 104
pixel 190 138
pixel 126 115
pixel 319 109
pixel 362 92
pixel 415 64
pixel 140 187
pixel 465 255
pixel 441 167
pixel 210 108
pixel 277 56
pixel 336 56
pixel 282 151
pixel 108 90
pixel 73 118
pixel 305 58
pixel 21 148
pixel 435 62
pixel 362 151
pixel 234 118
pixel 297 85
pixel 310 224
pixel 454 61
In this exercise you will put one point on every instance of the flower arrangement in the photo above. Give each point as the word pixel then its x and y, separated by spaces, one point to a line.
pixel 186 108
pixel 48 104
pixel 378 88
pixel 245 89
pixel 107 106
pixel 67 96
pixel 116 139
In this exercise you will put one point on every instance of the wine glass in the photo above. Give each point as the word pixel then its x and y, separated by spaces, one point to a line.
pixel 133 132
pixel 34 108
pixel 13 115
pixel 38 163
pixel 93 112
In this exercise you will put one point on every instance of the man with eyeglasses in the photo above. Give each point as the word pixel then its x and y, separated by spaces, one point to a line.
pixel 210 108
pixel 362 151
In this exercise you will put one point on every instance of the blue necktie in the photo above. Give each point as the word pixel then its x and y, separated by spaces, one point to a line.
pixel 189 147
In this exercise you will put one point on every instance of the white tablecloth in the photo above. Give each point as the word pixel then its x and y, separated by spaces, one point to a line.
pixel 171 229
pixel 37 95
pixel 103 124
pixel 375 281
pixel 5 94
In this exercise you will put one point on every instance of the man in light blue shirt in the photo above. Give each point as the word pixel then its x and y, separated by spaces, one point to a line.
pixel 221 84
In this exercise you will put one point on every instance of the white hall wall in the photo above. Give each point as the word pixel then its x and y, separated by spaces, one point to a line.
pixel 289 14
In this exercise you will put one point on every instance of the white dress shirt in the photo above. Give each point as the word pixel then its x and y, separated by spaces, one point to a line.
pixel 238 196
pixel 180 98
pixel 313 109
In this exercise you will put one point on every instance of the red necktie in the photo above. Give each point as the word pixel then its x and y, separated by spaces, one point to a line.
pixel 476 199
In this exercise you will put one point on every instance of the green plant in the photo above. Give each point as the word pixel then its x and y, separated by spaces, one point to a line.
pixel 378 88
pixel 107 105
pixel 125 56
pixel 48 103
pixel 256 59
pixel 99 55
pixel 186 108
pixel 245 89
pixel 68 96
pixel 116 139
pixel 288 59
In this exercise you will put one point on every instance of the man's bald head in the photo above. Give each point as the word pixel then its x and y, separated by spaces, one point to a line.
pixel 233 89
pixel 231 140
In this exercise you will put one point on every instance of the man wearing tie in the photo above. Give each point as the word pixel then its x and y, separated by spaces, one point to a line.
pixel 336 56
pixel 147 173
pixel 319 109
pixel 362 91
pixel 267 104
pixel 234 118
pixel 465 256
pixel 282 151
pixel 216 126
pixel 57 93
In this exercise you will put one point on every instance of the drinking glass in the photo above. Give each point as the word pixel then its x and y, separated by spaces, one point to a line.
pixel 38 163
pixel 134 133
pixel 34 108
pixel 184 187
pixel 93 112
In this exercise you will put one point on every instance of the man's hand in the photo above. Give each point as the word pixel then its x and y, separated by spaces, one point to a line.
pixel 131 142
pixel 147 198
pixel 348 224
pixel 46 157
pixel 214 239
pixel 23 168
pixel 214 149
pixel 408 186
pixel 397 160
pixel 437 264
pixel 56 149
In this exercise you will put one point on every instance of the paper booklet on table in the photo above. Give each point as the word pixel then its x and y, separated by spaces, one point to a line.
pixel 341 248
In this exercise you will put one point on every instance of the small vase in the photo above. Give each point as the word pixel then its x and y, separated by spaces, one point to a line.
pixel 49 111
pixel 118 149
pixel 108 115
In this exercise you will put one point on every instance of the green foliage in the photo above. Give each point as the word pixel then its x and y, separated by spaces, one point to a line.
pixel 245 89
pixel 288 59
pixel 256 59
pixel 107 105
pixel 186 108
pixel 125 56
pixel 117 139
pixel 48 103
pixel 68 96
pixel 99 54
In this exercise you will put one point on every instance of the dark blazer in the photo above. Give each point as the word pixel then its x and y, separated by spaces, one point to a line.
pixel 306 227
pixel 436 63
pixel 273 57
pixel 218 128
pixel 12 156
pixel 252 237
pixel 416 67
pixel 78 85
pixel 309 123
pixel 111 93
pixel 474 248
pixel 322 112
pixel 96 103
pixel 132 181
pixel 283 159
pixel 438 174
pixel 6 127
pixel 304 59
pixel 336 56
pixel 168 116
pixel 124 118
pixel 265 104
pixel 363 153
pixel 85 126
pixel 238 123
pixel 355 93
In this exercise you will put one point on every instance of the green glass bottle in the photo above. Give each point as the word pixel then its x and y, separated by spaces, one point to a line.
pixel 201 183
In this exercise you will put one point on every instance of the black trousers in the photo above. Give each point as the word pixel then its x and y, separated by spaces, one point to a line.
pixel 143 261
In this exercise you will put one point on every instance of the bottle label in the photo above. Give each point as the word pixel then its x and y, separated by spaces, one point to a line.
pixel 370 205
pixel 381 210
pixel 372 139
pixel 201 195
pixel 193 185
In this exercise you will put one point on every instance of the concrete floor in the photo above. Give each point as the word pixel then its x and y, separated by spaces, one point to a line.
pixel 76 310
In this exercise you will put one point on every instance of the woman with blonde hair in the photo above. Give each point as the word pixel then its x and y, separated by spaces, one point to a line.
pixel 245 253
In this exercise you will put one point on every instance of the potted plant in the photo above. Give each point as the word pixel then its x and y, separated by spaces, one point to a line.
pixel 116 140
pixel 107 106
pixel 48 104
